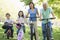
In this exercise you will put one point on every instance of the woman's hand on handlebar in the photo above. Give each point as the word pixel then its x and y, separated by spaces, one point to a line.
pixel 40 19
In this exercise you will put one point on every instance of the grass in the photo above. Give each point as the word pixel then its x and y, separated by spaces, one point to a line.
pixel 56 33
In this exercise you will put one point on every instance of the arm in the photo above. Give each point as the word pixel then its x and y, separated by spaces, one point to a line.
pixel 37 14
pixel 27 15
pixel 40 16
pixel 53 14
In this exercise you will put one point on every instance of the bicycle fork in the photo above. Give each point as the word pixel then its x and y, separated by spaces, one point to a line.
pixel 48 32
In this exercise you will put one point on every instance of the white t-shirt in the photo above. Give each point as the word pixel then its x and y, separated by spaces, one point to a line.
pixel 9 21
pixel 20 20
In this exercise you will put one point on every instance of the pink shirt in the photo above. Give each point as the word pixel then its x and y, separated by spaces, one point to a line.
pixel 20 20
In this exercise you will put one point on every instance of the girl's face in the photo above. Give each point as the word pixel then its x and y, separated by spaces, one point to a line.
pixel 20 13
pixel 31 5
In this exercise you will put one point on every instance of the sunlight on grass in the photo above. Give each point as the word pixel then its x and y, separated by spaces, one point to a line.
pixel 56 33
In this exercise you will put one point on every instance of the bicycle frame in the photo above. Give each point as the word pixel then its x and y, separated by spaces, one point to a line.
pixel 48 32
pixel 31 26
pixel 32 29
pixel 48 29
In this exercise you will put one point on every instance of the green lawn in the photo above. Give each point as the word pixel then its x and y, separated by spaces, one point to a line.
pixel 56 34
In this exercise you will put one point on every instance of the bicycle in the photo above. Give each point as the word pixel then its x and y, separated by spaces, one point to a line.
pixel 7 27
pixel 20 32
pixel 32 28
pixel 47 28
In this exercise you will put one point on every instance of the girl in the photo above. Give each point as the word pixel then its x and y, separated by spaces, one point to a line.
pixel 20 25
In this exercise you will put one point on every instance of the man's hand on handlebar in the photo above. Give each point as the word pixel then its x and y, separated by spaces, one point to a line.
pixel 47 19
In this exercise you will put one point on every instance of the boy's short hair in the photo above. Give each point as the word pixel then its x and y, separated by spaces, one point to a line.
pixel 7 14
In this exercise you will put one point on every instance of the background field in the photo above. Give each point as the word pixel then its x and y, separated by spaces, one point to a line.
pixel 56 33
pixel 14 6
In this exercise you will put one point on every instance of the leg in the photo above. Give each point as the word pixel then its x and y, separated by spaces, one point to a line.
pixel 18 31
pixel 12 32
pixel 50 26
pixel 31 28
pixel 23 28
pixel 8 33
pixel 6 30
pixel 44 31
pixel 34 35
pixel 36 31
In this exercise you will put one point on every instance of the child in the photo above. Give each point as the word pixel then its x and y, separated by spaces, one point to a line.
pixel 9 24
pixel 20 25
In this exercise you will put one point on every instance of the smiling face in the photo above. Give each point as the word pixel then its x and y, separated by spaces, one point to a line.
pixel 20 13
pixel 45 6
pixel 31 5
pixel 8 16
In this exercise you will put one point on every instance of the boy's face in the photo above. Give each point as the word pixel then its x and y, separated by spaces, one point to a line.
pixel 7 16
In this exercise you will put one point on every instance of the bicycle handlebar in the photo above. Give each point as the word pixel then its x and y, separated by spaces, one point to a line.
pixel 32 17
pixel 47 19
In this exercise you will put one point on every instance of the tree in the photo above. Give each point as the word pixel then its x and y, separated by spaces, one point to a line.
pixel 55 4
pixel 26 1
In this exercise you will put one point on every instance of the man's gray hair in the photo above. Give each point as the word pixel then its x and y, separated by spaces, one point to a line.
pixel 45 3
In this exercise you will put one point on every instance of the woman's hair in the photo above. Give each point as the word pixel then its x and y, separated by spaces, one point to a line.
pixel 19 14
pixel 31 3
pixel 7 14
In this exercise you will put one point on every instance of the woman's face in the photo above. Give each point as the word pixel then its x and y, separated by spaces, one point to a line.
pixel 31 5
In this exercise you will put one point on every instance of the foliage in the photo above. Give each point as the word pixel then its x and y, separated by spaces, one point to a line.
pixel 55 5
pixel 56 33
pixel 52 3
pixel 26 1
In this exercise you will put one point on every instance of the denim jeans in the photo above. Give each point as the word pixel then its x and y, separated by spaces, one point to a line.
pixel 44 30
pixel 11 28
pixel 23 27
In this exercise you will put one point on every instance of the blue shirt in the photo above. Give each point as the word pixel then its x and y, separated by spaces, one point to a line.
pixel 32 14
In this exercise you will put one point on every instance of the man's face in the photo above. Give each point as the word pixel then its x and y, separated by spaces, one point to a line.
pixel 45 6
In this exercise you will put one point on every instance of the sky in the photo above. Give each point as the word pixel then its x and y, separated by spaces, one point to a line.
pixel 11 6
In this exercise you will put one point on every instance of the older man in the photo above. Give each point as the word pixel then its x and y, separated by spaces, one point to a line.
pixel 45 13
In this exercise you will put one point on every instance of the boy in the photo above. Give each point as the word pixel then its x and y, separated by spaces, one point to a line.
pixel 10 24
